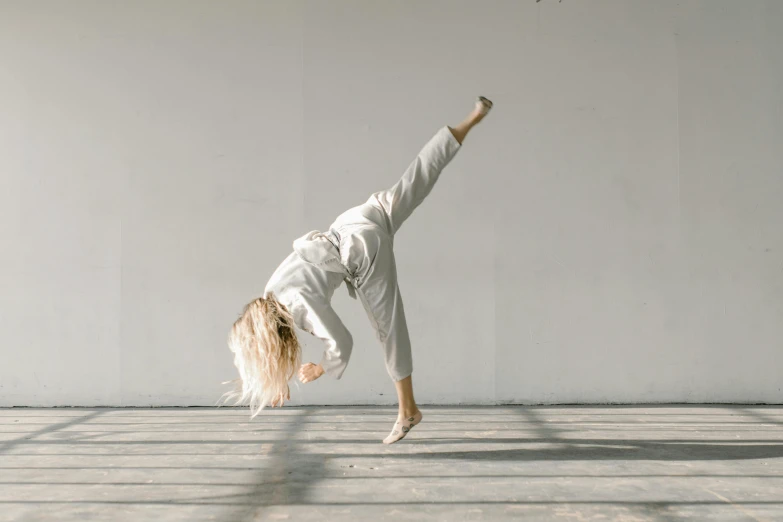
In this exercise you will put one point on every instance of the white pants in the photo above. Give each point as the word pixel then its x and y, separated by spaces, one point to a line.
pixel 366 239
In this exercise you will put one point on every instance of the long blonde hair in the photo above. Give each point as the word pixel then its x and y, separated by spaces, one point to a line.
pixel 266 353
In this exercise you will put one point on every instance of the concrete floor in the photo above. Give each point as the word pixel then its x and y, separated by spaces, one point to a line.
pixel 326 463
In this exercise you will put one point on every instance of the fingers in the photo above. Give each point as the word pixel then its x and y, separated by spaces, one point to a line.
pixel 309 372
pixel 306 373
pixel 280 399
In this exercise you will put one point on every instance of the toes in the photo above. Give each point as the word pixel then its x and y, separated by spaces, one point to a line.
pixel 402 427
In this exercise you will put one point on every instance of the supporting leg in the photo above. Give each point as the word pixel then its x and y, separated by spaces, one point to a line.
pixel 408 415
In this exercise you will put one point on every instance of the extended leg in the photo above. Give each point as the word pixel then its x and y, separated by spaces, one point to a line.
pixel 399 202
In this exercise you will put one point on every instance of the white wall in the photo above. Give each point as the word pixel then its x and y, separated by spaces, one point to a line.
pixel 611 233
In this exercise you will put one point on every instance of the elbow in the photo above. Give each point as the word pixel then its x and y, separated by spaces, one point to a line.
pixel 336 357
pixel 348 342
pixel 345 346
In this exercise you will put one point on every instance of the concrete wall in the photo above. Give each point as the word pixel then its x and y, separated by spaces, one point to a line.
pixel 611 233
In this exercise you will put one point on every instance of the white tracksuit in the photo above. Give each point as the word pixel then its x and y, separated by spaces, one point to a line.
pixel 358 249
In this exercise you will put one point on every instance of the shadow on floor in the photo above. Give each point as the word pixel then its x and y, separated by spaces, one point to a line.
pixel 605 450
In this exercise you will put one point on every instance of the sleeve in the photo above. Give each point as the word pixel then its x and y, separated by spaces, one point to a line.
pixel 324 323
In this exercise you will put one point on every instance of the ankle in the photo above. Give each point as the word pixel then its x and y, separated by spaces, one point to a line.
pixel 475 118
pixel 408 411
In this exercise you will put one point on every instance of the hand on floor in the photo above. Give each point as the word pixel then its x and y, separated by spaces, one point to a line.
pixel 310 372
pixel 282 398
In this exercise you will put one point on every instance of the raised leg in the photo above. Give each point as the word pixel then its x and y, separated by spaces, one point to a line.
pixel 399 202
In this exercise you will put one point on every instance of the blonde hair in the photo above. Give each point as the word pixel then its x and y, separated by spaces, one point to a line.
pixel 266 353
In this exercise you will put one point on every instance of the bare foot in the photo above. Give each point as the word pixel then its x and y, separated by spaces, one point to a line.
pixel 481 109
pixel 483 105
pixel 402 427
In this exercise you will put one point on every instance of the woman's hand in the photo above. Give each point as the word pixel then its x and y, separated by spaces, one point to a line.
pixel 282 398
pixel 310 372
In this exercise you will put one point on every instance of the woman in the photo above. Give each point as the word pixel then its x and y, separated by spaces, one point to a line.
pixel 357 249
